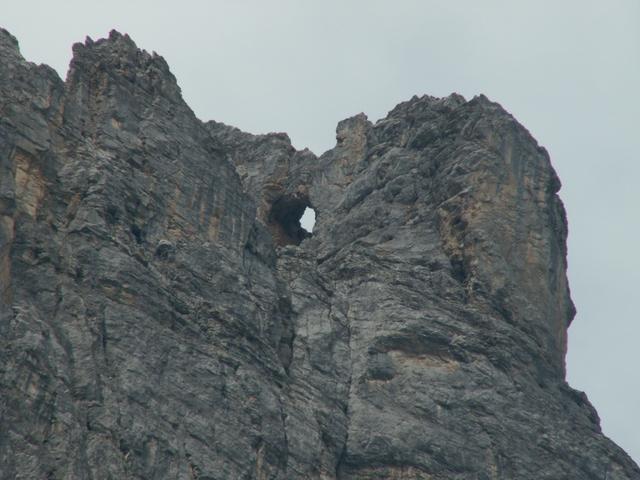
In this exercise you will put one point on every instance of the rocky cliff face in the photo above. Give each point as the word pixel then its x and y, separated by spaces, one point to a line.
pixel 163 315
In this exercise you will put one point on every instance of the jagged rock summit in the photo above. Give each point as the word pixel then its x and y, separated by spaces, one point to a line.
pixel 163 314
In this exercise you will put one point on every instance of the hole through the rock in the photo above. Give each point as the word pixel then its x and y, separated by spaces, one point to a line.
pixel 286 220
pixel 308 219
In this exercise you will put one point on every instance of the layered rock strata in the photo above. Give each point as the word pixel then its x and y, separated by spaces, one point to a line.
pixel 164 315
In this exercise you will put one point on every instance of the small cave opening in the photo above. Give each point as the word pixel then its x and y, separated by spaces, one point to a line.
pixel 291 220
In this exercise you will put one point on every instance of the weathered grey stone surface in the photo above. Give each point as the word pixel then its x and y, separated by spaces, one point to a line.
pixel 163 315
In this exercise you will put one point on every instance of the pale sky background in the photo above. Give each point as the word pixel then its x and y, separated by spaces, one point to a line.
pixel 568 70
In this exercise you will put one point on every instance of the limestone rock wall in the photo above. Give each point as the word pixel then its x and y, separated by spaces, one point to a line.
pixel 163 315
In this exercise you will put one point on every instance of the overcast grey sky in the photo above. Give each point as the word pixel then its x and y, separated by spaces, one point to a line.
pixel 568 70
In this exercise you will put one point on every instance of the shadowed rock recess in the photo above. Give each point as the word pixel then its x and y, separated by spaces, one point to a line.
pixel 164 315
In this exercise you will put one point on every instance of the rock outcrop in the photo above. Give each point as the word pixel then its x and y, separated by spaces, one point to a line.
pixel 164 315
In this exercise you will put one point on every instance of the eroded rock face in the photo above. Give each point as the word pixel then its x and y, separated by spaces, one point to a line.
pixel 163 315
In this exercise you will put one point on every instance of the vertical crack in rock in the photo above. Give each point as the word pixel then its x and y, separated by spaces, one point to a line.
pixel 345 441
pixel 164 315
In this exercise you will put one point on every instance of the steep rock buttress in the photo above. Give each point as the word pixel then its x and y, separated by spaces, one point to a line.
pixel 163 315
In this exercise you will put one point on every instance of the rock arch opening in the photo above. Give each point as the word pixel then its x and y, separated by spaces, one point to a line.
pixel 285 217
pixel 308 219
